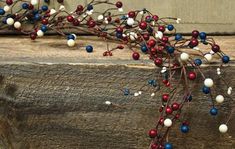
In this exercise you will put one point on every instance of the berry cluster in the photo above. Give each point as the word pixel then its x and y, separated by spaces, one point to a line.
pixel 143 33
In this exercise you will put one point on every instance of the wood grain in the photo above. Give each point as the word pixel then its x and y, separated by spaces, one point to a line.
pixel 59 102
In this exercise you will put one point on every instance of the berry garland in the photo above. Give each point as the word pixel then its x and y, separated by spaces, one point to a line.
pixel 137 29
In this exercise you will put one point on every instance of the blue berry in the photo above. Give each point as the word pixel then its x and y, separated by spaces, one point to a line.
pixel 150 29
pixel 144 48
pixel 126 91
pixel 184 128
pixel 71 37
pixel 170 50
pixel 202 35
pixel 89 48
pixel 198 62
pixel 25 6
pixel 46 1
pixel 89 7
pixel 119 35
pixel 225 59
pixel 214 111
pixel 168 146
pixel 206 90
pixel 170 27
pixel 178 37
pixel 37 16
pixel 190 98
pixel 44 8
pixel 2 11
pixel 44 28
pixel 4 20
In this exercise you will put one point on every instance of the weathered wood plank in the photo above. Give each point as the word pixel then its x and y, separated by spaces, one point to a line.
pixel 54 49
pixel 62 106
pixel 59 103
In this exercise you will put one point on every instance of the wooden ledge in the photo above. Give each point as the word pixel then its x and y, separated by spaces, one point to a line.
pixel 54 50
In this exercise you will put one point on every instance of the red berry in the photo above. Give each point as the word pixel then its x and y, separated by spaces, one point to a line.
pixel 169 110
pixel 131 14
pixel 91 23
pixel 33 35
pixel 44 21
pixel 193 42
pixel 185 123
pixel 215 48
pixel 151 42
pixel 160 49
pixel 154 146
pixel 195 33
pixel 136 56
pixel 192 75
pixel 152 133
pixel 165 39
pixel 165 81
pixel 177 116
pixel 155 17
pixel 109 18
pixel 79 8
pixel 31 7
pixel 161 28
pixel 153 50
pixel 146 37
pixel 161 121
pixel 143 25
pixel 175 106
pixel 120 47
pixel 165 97
pixel 147 17
pixel 76 22
pixel 158 61
pixel 117 20
pixel 70 18
pixel 119 4
pixel 119 29
pixel 9 2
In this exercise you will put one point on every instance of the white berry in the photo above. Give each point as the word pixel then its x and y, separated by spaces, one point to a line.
pixel 17 24
pixel 34 2
pixel 120 9
pixel 208 57
pixel 71 43
pixel 223 128
pixel 6 8
pixel 136 94
pixel 168 122
pixel 40 33
pixel 108 102
pixel 100 17
pixel 10 21
pixel 62 7
pixel 184 56
pixel 130 21
pixel 52 11
pixel 219 99
pixel 208 82
pixel 159 34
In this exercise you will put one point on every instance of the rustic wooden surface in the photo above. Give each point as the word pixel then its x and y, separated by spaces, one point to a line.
pixel 59 102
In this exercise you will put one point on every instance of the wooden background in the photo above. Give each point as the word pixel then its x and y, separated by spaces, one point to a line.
pixel 59 102
pixel 212 16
